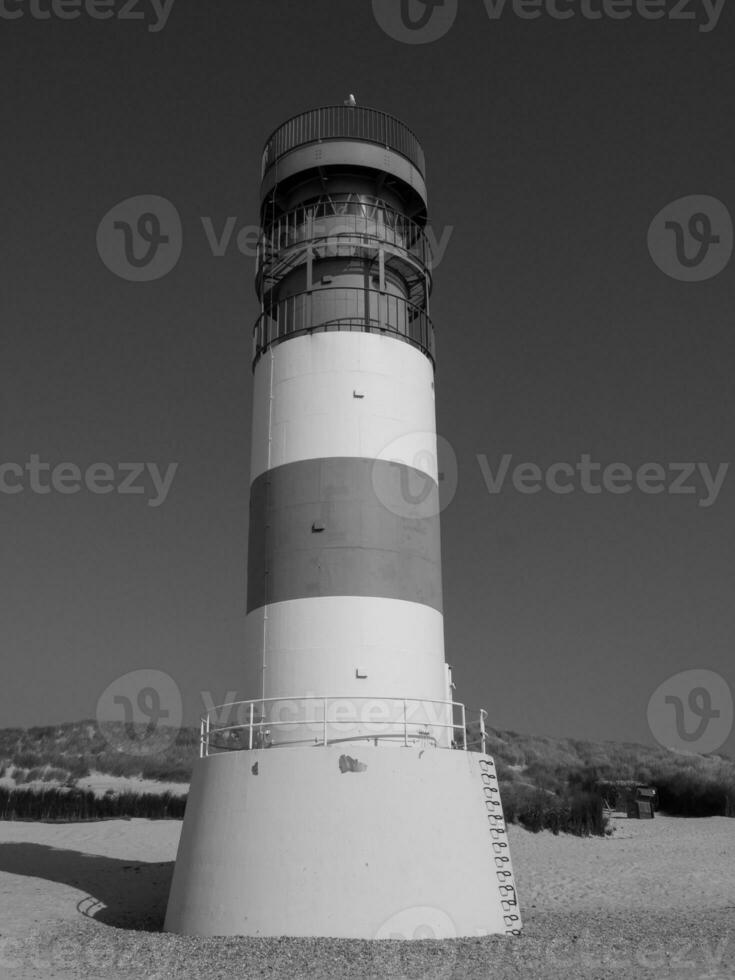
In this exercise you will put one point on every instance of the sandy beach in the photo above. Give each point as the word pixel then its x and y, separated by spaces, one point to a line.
pixel 656 899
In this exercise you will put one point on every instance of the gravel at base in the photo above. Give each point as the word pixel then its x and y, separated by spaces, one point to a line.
pixel 604 945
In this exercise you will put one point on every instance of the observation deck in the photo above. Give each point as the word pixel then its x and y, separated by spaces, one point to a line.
pixel 343 244
pixel 337 122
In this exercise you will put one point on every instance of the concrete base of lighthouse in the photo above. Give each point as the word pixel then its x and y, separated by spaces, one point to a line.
pixel 351 840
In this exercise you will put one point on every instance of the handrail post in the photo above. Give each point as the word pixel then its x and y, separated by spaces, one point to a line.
pixel 251 726
pixel 483 734
pixel 405 723
pixel 325 721
pixel 201 738
pixel 464 728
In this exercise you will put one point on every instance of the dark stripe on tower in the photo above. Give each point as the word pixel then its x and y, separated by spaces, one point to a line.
pixel 344 526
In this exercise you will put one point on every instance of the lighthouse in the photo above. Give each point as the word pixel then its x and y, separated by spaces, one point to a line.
pixel 344 798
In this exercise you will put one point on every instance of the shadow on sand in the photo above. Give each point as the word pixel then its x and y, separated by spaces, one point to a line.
pixel 125 894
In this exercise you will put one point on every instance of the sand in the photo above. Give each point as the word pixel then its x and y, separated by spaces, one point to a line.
pixel 657 865
pixel 657 899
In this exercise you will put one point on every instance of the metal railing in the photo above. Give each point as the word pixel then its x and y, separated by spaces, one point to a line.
pixel 343 122
pixel 322 221
pixel 365 310
pixel 316 720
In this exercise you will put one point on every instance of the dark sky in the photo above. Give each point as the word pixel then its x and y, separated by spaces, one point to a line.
pixel 551 146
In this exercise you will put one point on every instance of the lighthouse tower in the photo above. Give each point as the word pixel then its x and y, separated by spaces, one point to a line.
pixel 343 799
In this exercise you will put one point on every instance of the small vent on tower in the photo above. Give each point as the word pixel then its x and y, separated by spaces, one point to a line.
pixel 358 394
pixel 317 527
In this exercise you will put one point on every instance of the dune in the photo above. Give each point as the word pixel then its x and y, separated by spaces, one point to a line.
pixel 100 783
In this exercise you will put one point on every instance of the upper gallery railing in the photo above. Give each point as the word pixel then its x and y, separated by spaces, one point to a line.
pixel 335 122
pixel 357 310
pixel 335 219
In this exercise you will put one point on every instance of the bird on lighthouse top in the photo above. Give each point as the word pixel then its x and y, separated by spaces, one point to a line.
pixel 351 101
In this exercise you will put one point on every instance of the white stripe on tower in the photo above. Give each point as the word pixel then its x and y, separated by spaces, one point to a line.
pixel 343 394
